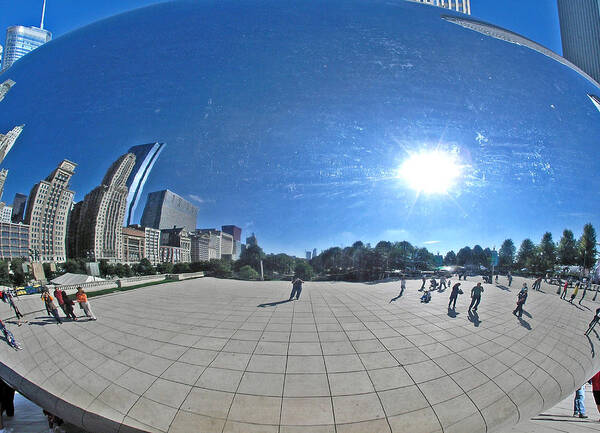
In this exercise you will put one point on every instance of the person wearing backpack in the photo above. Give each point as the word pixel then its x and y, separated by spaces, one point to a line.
pixel 521 298
pixel 51 306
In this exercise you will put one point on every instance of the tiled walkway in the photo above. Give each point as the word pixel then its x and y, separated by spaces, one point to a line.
pixel 204 355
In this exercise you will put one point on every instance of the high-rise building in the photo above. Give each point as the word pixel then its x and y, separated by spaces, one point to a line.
pixel 151 243
pixel 134 244
pixel 14 241
pixel 580 34
pixel 47 210
pixel 165 209
pixel 227 244
pixel 214 242
pixel 8 140
pixel 5 87
pixel 199 246
pixel 314 254
pixel 72 227
pixel 145 157
pixel 251 241
pixel 100 225
pixel 463 6
pixel 308 255
pixel 175 246
pixel 3 175
pixel 18 208
pixel 5 214
pixel 21 40
pixel 234 231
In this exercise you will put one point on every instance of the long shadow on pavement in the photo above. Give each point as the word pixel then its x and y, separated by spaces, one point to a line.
pixel 524 323
pixel 591 346
pixel 272 304
pixel 474 318
pixel 501 287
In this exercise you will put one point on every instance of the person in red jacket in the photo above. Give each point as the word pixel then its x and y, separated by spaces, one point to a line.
pixel 596 389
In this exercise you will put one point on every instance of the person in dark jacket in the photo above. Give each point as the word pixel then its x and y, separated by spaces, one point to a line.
pixel 68 305
pixel 521 298
pixel 475 297
pixel 454 296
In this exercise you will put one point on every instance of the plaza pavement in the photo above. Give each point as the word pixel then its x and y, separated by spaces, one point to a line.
pixel 29 419
pixel 202 355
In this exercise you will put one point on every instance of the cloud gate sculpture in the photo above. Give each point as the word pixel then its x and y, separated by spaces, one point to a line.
pixel 313 124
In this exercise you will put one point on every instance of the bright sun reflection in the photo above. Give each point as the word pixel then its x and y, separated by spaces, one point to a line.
pixel 431 172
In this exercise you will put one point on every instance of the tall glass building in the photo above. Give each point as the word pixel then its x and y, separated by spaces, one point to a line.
pixel 21 40
pixel 145 157
pixel 580 34
pixel 463 6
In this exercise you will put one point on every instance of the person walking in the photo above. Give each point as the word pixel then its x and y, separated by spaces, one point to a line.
pixel 476 296
pixel 8 297
pixel 69 304
pixel 594 321
pixel 442 282
pixel 579 403
pixel 59 299
pixel 433 284
pixel 9 337
pixel 454 296
pixel 296 288
pixel 424 282
pixel 84 304
pixel 402 288
pixel 563 295
pixel 496 278
pixel 50 305
pixel 509 276
pixel 537 284
pixel 574 295
pixel 521 298
pixel 585 289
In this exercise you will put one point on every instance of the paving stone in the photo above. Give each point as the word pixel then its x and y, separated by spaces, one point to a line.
pixel 342 359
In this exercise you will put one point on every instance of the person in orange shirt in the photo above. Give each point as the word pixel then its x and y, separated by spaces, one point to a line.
pixel 84 304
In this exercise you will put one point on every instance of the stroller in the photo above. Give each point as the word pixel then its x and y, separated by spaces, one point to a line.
pixel 426 297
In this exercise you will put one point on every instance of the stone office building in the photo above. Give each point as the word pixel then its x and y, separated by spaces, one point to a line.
pixel 48 207
pixel 14 241
pixel 134 245
pixel 175 246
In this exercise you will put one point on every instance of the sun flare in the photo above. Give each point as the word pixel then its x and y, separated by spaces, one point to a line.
pixel 431 172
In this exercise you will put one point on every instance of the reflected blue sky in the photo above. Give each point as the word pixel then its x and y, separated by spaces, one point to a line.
pixel 292 121
pixel 536 19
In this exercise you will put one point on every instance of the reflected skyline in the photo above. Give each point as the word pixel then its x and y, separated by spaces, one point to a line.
pixel 311 160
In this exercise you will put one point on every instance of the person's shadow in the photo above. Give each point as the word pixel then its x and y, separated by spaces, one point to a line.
pixel 524 323
pixel 272 304
pixel 591 345
pixel 527 314
pixel 501 287
pixel 474 317
pixel 452 313
pixel 396 298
